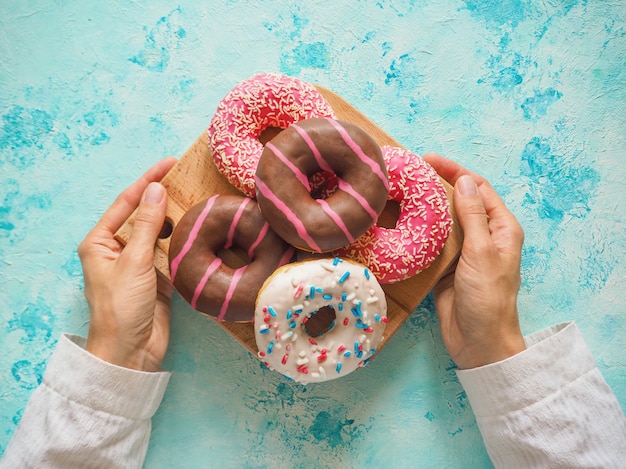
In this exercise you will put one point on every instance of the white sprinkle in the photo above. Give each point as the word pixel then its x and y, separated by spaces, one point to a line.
pixel 372 299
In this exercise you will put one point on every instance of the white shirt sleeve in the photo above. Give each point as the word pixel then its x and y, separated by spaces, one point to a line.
pixel 86 413
pixel 548 406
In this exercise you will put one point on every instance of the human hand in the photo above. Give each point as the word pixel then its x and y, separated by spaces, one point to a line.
pixel 477 301
pixel 129 304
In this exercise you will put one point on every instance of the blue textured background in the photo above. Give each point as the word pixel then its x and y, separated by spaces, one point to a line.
pixel 530 94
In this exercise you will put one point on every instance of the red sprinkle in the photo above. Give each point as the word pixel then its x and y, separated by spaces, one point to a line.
pixel 311 341
pixel 321 358
pixel 261 354
pixel 341 348
pixel 266 318
pixel 346 321
pixel 369 329
pixel 383 320
pixel 298 291
pixel 284 360
pixel 303 369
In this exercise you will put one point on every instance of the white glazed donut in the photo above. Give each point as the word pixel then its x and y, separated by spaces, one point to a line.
pixel 343 292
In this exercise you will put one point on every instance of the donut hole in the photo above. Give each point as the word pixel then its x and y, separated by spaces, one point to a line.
pixel 319 322
pixel 390 215
pixel 268 133
pixel 233 257
pixel 167 229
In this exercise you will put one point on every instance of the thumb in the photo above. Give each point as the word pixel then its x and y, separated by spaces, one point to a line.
pixel 470 209
pixel 148 220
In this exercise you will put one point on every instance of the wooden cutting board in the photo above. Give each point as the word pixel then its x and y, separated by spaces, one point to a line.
pixel 195 178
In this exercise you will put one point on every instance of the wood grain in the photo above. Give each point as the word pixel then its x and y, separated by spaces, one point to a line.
pixel 195 178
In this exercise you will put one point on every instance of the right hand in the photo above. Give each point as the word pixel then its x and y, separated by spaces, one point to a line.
pixel 476 301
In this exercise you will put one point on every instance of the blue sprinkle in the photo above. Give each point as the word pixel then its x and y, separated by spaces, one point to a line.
pixel 372 351
pixel 336 261
pixel 264 330
pixel 270 346
pixel 312 292
pixel 343 278
pixel 344 296
pixel 326 296
pixel 272 311
pixel 340 307
pixel 367 273
pixel 292 324
pixel 360 325
pixel 319 290
pixel 377 317
pixel 338 367
pixel 366 361
pixel 289 314
pixel 356 347
pixel 359 354
pixel 347 353
pixel 298 311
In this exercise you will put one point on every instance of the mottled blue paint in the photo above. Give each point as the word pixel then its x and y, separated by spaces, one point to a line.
pixel 536 106
pixel 502 87
pixel 166 35
pixel 329 427
pixel 28 375
pixel 497 13
pixel 305 55
pixel 35 322
pixel 557 187
pixel 403 73
pixel 23 135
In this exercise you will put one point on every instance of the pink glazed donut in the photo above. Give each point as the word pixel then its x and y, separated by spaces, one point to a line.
pixel 255 104
pixel 424 222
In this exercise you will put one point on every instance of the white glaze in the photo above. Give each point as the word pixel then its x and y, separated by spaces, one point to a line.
pixel 296 291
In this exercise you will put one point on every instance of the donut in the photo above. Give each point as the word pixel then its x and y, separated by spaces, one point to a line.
pixel 423 225
pixel 257 103
pixel 341 294
pixel 204 280
pixel 313 146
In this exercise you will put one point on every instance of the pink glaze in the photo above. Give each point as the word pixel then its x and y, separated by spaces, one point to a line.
pixel 423 226
pixel 336 218
pixel 294 169
pixel 193 234
pixel 233 225
pixel 231 289
pixel 261 101
pixel 291 217
pixel 321 162
pixel 213 266
pixel 359 152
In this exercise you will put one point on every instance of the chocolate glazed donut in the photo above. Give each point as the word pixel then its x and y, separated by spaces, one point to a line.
pixel 201 277
pixel 321 145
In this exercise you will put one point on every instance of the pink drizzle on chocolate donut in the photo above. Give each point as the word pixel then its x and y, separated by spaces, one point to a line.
pixel 308 148
pixel 204 279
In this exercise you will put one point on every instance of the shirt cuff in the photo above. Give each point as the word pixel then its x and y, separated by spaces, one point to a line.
pixel 86 379
pixel 555 357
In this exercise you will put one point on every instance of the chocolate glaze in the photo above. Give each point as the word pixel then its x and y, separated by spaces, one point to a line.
pixel 368 178
pixel 189 267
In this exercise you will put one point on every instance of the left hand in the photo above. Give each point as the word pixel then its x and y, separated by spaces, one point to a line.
pixel 129 304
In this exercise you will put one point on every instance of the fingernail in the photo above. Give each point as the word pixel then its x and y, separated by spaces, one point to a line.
pixel 467 185
pixel 154 193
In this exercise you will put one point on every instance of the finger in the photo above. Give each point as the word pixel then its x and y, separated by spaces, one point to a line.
pixel 148 223
pixel 127 201
pixel 470 209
